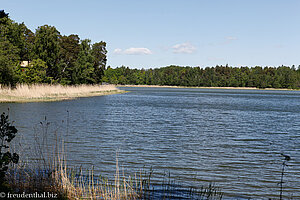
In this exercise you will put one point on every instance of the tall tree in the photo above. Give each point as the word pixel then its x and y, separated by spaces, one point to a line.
pixel 69 50
pixel 18 35
pixel 84 67
pixel 9 58
pixel 27 52
pixel 9 54
pixel 99 53
pixel 46 48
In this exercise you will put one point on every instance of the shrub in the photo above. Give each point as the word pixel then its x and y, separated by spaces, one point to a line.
pixel 7 133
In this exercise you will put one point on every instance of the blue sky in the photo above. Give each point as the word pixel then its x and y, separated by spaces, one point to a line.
pixel 157 33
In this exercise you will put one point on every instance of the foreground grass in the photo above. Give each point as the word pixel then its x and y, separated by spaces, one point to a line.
pixel 45 171
pixel 51 175
pixel 44 92
pixel 70 184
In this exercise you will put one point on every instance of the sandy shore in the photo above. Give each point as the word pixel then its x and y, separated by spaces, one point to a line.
pixel 45 93
pixel 229 88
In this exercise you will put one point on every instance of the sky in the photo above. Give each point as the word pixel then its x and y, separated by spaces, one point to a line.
pixel 157 33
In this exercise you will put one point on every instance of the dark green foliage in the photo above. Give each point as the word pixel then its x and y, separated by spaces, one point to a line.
pixel 69 50
pixel 3 14
pixel 9 53
pixel 3 17
pixel 28 37
pixel 66 59
pixel 36 72
pixel 46 48
pixel 99 53
pixel 219 76
pixel 83 69
pixel 7 133
pixel 8 60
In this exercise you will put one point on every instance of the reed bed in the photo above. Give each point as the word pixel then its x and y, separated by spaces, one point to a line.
pixel 46 92
pixel 53 176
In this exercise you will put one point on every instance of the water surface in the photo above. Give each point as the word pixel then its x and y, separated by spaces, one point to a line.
pixel 233 138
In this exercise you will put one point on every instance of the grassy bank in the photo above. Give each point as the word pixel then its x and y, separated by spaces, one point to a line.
pixel 43 92
pixel 230 88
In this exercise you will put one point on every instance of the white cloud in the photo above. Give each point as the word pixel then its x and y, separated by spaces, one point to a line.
pixel 184 48
pixel 137 51
pixel 133 51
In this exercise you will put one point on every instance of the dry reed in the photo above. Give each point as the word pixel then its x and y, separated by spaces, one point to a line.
pixel 45 92
pixel 87 187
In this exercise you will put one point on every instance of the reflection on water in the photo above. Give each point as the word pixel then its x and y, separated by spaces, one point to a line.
pixel 230 137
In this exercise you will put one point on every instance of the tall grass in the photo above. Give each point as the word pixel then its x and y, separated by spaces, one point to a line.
pixel 68 183
pixel 46 92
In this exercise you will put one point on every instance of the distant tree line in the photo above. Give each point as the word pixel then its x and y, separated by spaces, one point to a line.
pixel 51 57
pixel 219 76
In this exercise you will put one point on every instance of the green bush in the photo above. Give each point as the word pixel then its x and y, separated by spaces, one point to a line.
pixel 7 133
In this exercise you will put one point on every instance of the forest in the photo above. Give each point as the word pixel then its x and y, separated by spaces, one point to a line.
pixel 219 76
pixel 46 56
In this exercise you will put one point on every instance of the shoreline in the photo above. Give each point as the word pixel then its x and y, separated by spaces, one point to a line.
pixel 226 88
pixel 9 99
pixel 50 93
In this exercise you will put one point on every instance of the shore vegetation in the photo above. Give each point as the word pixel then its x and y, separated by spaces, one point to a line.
pixel 45 92
pixel 282 77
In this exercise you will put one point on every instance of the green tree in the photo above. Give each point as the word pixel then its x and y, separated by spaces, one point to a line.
pixel 9 54
pixel 46 48
pixel 18 35
pixel 35 72
pixel 84 66
pixel 99 53
pixel 9 59
pixel 69 50
pixel 27 51
pixel 4 19
pixel 3 14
